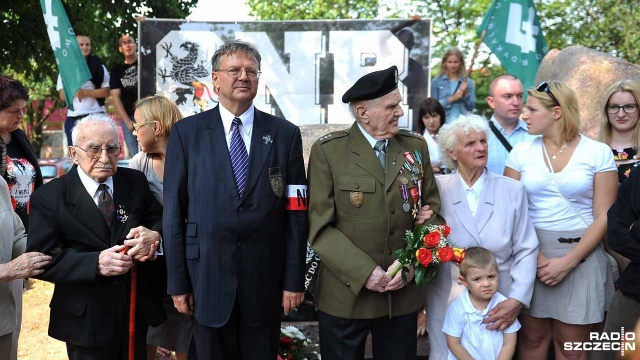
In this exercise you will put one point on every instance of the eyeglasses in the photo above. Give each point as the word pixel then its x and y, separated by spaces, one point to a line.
pixel 545 87
pixel 235 72
pixel 123 43
pixel 628 108
pixel 137 126
pixel 94 152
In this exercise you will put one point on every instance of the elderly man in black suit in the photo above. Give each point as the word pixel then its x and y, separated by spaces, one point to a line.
pixel 234 230
pixel 86 220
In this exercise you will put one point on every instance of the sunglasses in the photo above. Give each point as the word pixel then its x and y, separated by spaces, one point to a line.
pixel 545 87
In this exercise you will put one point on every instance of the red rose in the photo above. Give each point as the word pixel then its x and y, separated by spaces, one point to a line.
pixel 432 239
pixel 424 256
pixel 445 254
pixel 446 230
pixel 285 340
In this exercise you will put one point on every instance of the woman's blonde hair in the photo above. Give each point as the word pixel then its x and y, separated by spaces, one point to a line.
pixel 567 100
pixel 161 109
pixel 628 85
pixel 462 71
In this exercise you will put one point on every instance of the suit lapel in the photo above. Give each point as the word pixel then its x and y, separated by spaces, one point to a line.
pixel 122 202
pixel 84 209
pixel 215 137
pixel 461 208
pixel 367 159
pixel 395 160
pixel 485 203
pixel 263 139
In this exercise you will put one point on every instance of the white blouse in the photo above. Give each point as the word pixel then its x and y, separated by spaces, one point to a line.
pixel 547 207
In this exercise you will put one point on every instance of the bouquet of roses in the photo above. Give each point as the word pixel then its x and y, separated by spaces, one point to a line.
pixel 427 248
pixel 293 345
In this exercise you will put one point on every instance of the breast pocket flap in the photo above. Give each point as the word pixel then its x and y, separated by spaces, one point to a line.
pixel 366 184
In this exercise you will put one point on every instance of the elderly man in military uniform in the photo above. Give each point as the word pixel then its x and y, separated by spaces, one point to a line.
pixel 367 186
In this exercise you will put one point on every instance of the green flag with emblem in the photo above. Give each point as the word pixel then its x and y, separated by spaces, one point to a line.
pixel 71 64
pixel 511 29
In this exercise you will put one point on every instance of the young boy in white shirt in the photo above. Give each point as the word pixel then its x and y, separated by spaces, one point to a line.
pixel 467 337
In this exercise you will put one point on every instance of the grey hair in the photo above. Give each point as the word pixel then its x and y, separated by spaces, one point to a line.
pixel 368 103
pixel 448 135
pixel 233 47
pixel 94 118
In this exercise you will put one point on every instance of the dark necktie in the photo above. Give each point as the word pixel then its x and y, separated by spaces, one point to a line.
pixel 239 156
pixel 382 155
pixel 105 204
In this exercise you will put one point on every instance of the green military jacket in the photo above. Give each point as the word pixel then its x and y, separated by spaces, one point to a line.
pixel 356 220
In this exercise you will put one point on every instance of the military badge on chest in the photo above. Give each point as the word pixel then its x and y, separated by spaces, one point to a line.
pixel 275 179
pixel 357 198
pixel 410 179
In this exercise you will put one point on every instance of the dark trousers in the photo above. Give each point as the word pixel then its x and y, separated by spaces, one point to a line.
pixel 344 339
pixel 69 123
pixel 236 340
pixel 117 348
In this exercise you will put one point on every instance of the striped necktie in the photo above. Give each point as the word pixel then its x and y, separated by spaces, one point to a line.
pixel 239 156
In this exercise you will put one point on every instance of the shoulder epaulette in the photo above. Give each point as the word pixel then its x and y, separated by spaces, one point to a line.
pixel 333 135
pixel 410 133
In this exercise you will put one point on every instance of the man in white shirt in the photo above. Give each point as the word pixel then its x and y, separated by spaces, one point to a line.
pixel 506 100
pixel 90 98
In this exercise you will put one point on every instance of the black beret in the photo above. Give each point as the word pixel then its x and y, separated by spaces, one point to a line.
pixel 373 85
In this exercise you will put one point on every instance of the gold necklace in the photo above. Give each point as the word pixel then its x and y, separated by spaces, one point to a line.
pixel 559 152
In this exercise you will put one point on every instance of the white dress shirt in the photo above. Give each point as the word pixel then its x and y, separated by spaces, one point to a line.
pixel 92 185
pixel 245 130
pixel 473 193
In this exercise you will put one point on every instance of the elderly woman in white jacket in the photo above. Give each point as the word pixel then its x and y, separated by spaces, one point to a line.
pixel 482 209
pixel 14 264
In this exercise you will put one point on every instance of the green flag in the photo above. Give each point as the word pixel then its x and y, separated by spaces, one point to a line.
pixel 514 35
pixel 71 64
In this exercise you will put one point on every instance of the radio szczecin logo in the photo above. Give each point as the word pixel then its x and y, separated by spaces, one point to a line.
pixel 617 341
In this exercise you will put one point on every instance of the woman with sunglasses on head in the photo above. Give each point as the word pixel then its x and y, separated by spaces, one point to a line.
pixel 571 182
pixel 154 117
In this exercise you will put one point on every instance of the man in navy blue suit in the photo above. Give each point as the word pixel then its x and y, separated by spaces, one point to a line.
pixel 235 219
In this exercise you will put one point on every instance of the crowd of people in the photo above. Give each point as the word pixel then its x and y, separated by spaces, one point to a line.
pixel 210 225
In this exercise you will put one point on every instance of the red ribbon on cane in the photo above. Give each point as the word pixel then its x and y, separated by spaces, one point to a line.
pixel 132 306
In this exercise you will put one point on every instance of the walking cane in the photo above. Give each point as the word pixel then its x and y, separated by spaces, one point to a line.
pixel 132 307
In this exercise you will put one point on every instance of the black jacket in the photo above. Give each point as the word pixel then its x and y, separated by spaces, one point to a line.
pixel 623 232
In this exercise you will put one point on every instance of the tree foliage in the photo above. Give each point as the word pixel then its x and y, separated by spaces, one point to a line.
pixel 25 51
pixel 313 9
pixel 604 25
pixel 25 47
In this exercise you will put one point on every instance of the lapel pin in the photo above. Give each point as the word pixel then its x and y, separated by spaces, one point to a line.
pixel 267 139
pixel 122 214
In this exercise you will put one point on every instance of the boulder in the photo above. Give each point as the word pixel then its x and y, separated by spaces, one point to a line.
pixel 589 72
pixel 311 133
